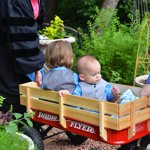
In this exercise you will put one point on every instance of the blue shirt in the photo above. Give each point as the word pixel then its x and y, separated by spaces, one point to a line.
pixel 148 80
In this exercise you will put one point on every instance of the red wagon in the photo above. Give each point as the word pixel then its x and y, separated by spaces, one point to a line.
pixel 127 124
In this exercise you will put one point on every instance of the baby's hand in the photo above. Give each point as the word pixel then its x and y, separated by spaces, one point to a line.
pixel 63 92
pixel 115 90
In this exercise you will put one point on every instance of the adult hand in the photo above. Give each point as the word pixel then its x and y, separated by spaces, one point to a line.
pixel 38 78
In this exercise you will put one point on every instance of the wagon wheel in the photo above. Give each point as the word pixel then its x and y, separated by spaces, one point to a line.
pixel 34 135
pixel 129 146
pixel 43 130
pixel 144 143
pixel 140 144
pixel 75 138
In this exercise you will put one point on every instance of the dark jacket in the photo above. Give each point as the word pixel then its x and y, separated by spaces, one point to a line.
pixel 19 46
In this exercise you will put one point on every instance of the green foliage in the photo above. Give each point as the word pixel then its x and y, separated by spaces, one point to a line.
pixel 1 100
pixel 84 10
pixel 11 142
pixel 11 126
pixel 114 45
pixel 11 120
pixel 55 30
pixel 115 78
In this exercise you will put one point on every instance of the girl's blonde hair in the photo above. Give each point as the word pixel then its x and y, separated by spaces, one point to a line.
pixel 59 53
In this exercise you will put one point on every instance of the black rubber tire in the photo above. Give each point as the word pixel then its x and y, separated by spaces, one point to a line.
pixel 144 141
pixel 34 135
pixel 140 144
pixel 129 146
pixel 43 131
pixel 75 138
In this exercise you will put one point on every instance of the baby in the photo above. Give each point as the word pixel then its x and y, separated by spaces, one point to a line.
pixel 91 84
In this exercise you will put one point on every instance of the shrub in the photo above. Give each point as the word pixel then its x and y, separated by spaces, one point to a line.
pixel 55 30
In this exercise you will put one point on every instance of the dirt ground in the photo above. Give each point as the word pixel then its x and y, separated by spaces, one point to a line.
pixel 62 142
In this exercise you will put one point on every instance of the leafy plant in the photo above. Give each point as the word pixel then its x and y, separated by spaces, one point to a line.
pixel 11 121
pixel 115 78
pixel 11 141
pixel 9 126
pixel 55 30
pixel 1 100
pixel 83 9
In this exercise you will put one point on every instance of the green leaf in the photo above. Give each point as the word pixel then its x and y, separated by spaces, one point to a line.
pixel 11 127
pixel 26 115
pixel 29 122
pixel 17 115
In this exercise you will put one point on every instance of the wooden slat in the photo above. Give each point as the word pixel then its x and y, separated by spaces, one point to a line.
pixel 102 130
pixel 41 105
pixel 30 84
pixel 82 115
pixel 141 103
pixel 91 104
pixel 22 89
pixel 131 130
pixel 142 115
pixel 123 122
pixel 124 109
pixel 61 112
pixel 42 94
pixel 28 105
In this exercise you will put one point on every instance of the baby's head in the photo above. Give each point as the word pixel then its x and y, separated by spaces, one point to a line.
pixel 89 69
pixel 59 53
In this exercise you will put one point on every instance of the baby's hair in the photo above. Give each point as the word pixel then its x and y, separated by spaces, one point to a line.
pixel 59 53
pixel 83 61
